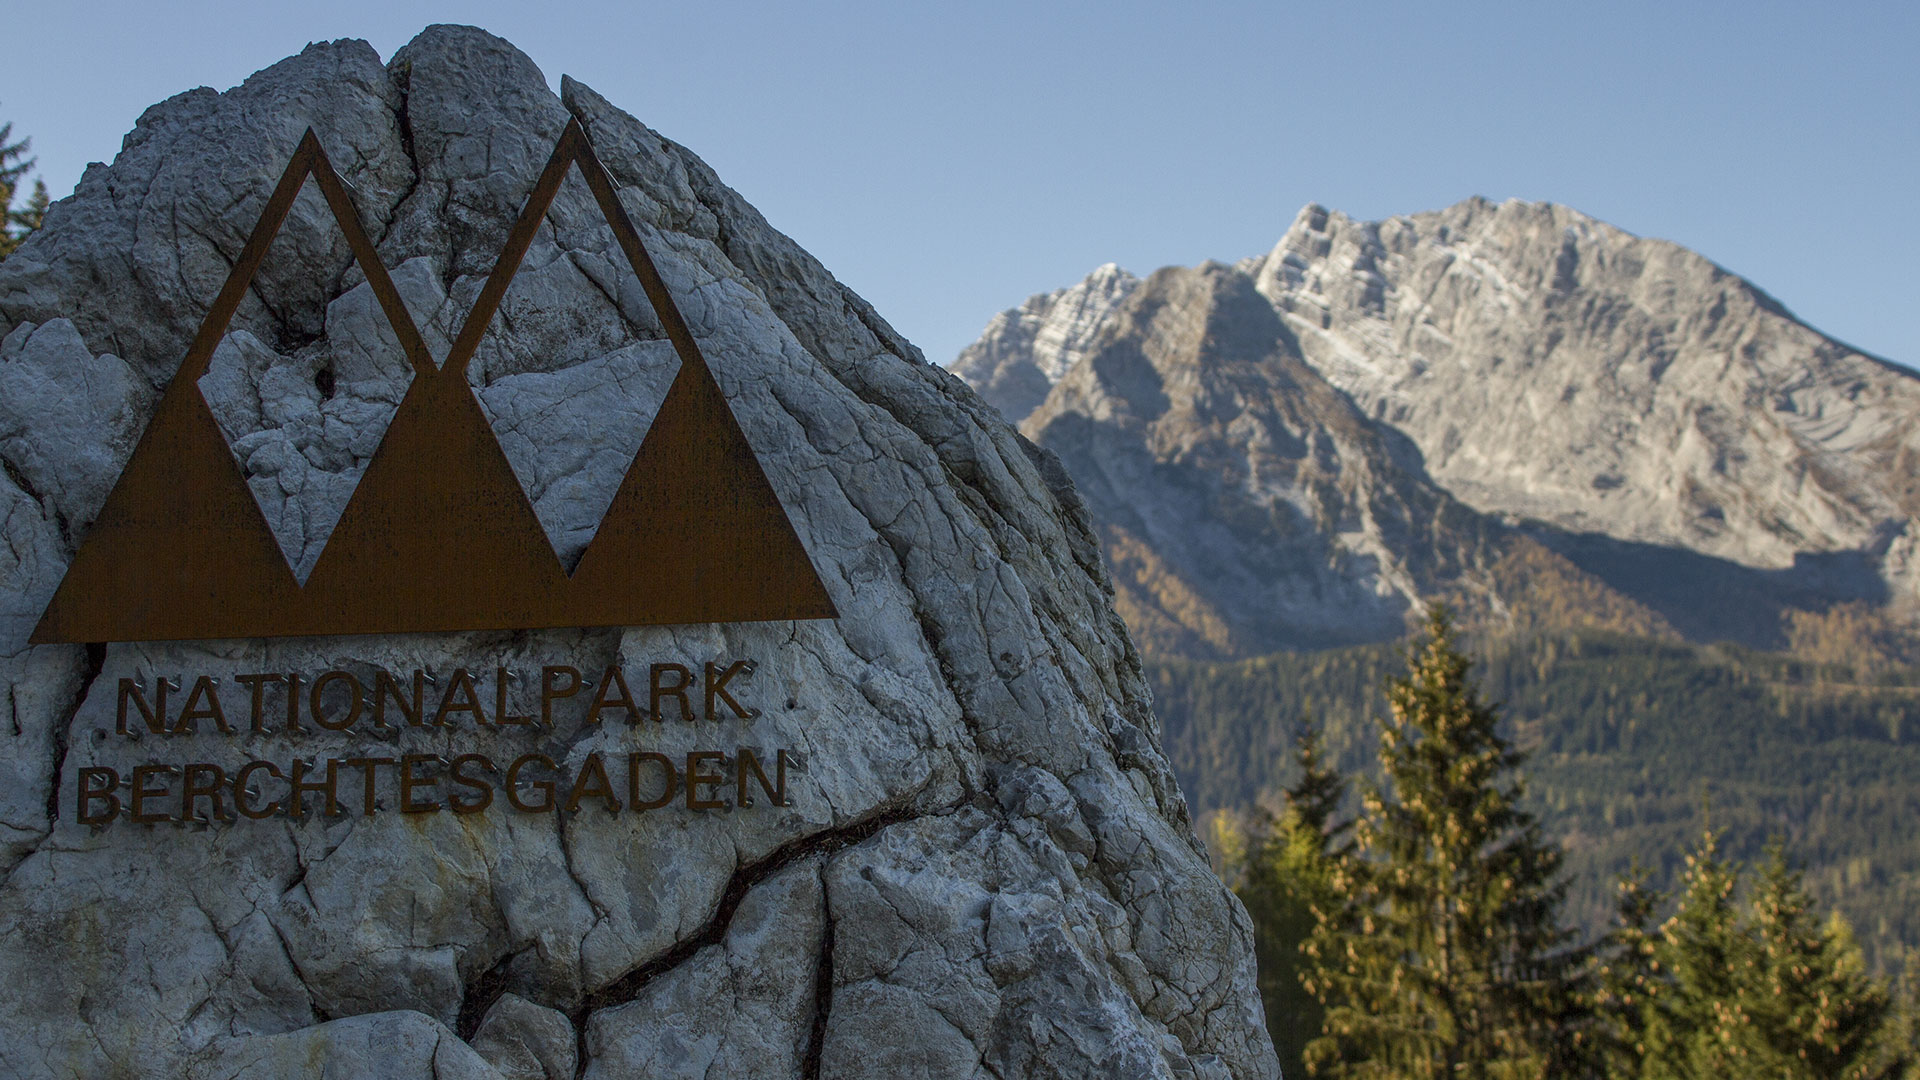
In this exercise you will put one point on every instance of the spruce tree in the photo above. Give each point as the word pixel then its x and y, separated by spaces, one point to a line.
pixel 34 212
pixel 1452 960
pixel 1289 880
pixel 1694 1017
pixel 1763 992
pixel 1626 978
pixel 1812 1010
pixel 15 224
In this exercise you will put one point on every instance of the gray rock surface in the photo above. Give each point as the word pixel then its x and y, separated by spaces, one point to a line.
pixel 1245 505
pixel 741 1008
pixel 1025 350
pixel 524 1041
pixel 1664 438
pixel 1551 366
pixel 984 858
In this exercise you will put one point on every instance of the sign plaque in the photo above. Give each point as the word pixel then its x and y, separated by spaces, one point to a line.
pixel 438 536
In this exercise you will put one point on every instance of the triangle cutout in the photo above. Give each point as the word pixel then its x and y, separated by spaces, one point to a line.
pixel 439 535
pixel 695 532
pixel 181 549
pixel 696 528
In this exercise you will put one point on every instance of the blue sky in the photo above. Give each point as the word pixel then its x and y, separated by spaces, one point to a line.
pixel 947 161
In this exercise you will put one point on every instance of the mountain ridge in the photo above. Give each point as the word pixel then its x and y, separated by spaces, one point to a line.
pixel 1659 424
pixel 1516 281
pixel 1286 457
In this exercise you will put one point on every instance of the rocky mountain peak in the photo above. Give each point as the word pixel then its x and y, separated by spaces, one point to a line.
pixel 1245 504
pixel 1026 350
pixel 1553 367
pixel 1649 416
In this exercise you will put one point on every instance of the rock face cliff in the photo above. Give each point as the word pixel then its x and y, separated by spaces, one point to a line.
pixel 1553 367
pixel 984 867
pixel 1245 504
pixel 1654 434
pixel 1024 351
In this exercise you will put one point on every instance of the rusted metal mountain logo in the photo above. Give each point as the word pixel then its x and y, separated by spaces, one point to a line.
pixel 439 535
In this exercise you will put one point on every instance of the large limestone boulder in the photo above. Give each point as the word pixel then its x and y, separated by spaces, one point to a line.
pixel 982 867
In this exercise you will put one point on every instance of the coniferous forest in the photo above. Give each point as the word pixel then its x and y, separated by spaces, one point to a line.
pixel 1417 913
pixel 1633 744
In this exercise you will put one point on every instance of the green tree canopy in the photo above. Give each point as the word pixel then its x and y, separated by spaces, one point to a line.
pixel 1625 979
pixel 1282 870
pixel 16 224
pixel 1727 990
pixel 1695 1011
pixel 1451 959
